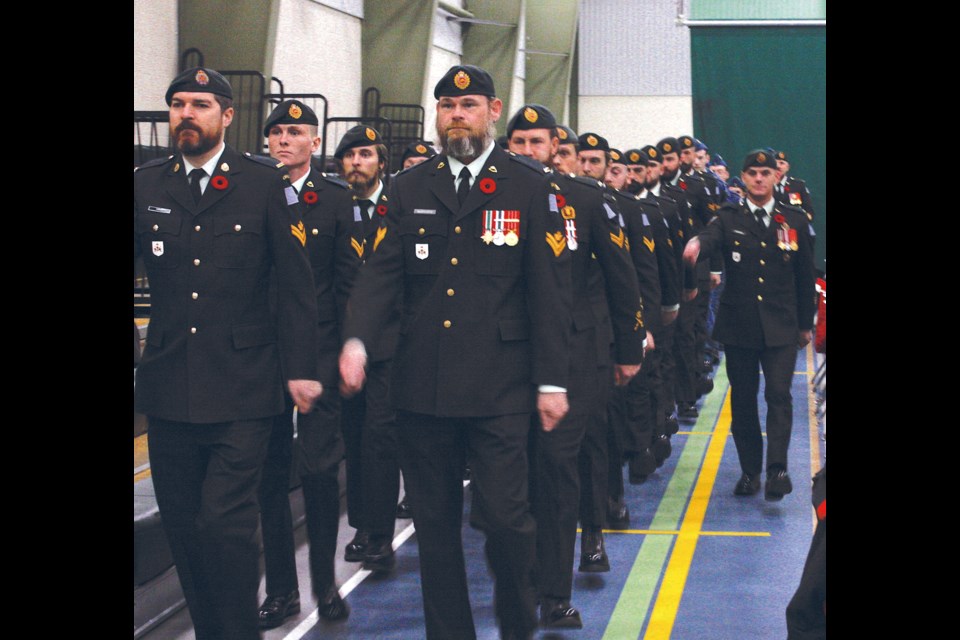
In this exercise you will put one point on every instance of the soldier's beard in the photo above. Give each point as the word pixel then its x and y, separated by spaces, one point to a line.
pixel 467 148
pixel 634 187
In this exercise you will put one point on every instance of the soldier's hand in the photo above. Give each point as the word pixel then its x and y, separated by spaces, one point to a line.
pixel 691 251
pixel 353 362
pixel 623 373
pixel 304 393
pixel 803 339
pixel 551 407
pixel 714 281
pixel 667 317
pixel 689 294
pixel 651 344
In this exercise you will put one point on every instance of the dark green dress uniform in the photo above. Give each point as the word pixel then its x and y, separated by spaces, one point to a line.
pixel 597 242
pixel 334 242
pixel 217 356
pixel 485 320
pixel 768 299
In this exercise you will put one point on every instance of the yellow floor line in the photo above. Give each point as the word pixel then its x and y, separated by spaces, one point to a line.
pixel 665 608
pixel 667 532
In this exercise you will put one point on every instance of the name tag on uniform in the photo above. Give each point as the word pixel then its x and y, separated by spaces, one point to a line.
pixel 158 209
pixel 738 232
pixel 428 212
pixel 291 194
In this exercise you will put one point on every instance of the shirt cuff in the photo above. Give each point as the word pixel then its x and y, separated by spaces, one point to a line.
pixel 672 307
pixel 549 388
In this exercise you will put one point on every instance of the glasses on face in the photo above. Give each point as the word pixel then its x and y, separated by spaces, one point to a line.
pixel 766 173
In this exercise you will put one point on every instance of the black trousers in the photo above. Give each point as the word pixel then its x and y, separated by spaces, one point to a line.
pixel 320 450
pixel 373 471
pixel 666 391
pixel 743 371
pixel 594 459
pixel 206 478
pixel 432 455
pixel 555 490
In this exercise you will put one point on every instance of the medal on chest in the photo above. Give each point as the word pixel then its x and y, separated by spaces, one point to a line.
pixel 501 227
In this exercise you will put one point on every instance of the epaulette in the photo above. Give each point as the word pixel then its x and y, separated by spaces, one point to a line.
pixel 733 206
pixel 431 161
pixel 156 162
pixel 791 207
pixel 335 179
pixel 596 184
pixel 693 176
pixel 665 197
pixel 530 162
pixel 264 160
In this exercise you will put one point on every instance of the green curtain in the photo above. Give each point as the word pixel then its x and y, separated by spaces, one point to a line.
pixel 763 86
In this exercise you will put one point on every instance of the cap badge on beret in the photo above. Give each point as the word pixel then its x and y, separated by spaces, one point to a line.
pixel 614 155
pixel 780 155
pixel 295 111
pixel 202 78
pixel 421 149
pixel 371 134
pixel 461 80
pixel 687 141
pixel 634 156
pixel 530 114
pixel 761 157
pixel 652 152
pixel 667 148
pixel 562 134
pixel 592 141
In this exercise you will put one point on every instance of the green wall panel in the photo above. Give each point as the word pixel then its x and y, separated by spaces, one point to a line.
pixel 765 87
pixel 758 10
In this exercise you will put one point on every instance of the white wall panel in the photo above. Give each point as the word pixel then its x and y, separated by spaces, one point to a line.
pixel 440 62
pixel 628 122
pixel 155 54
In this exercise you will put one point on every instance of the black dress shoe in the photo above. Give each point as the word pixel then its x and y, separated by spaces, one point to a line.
pixel 560 616
pixel 704 386
pixel 778 485
pixel 331 606
pixel 661 448
pixel 356 549
pixel 276 609
pixel 687 410
pixel 640 466
pixel 747 485
pixel 403 510
pixel 593 557
pixel 671 426
pixel 618 515
pixel 380 556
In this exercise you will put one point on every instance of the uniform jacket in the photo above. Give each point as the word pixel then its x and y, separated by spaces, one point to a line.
pixel 795 193
pixel 335 246
pixel 642 253
pixel 769 293
pixel 600 254
pixel 482 324
pixel 215 349
pixel 668 269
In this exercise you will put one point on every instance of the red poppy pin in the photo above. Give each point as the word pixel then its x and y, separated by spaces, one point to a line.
pixel 561 201
pixel 488 185
pixel 310 197
pixel 220 182
pixel 683 185
pixel 382 209
pixel 779 219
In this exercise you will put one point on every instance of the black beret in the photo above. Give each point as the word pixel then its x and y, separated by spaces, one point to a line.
pixel 200 80
pixel 465 80
pixel 635 156
pixel 290 112
pixel 359 136
pixel 687 142
pixel 668 145
pixel 567 135
pixel 616 156
pixel 589 141
pixel 531 116
pixel 653 153
pixel 781 155
pixel 419 149
pixel 759 158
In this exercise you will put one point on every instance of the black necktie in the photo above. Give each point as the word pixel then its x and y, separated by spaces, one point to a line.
pixel 365 211
pixel 195 177
pixel 761 215
pixel 464 187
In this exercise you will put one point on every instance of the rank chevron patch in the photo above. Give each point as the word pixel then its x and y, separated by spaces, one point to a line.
pixel 649 242
pixel 618 239
pixel 557 242
pixel 381 232
pixel 299 233
pixel 357 246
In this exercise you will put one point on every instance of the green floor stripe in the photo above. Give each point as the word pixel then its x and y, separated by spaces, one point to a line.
pixel 638 592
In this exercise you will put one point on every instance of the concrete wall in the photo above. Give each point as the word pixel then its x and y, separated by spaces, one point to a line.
pixel 154 52
pixel 634 121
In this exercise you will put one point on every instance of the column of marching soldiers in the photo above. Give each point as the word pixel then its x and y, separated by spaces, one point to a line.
pixel 627 216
